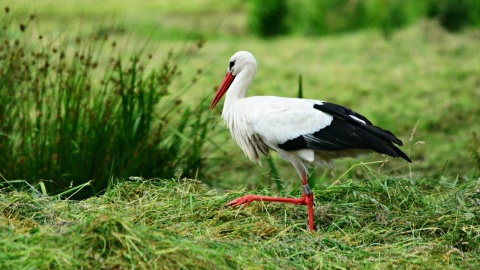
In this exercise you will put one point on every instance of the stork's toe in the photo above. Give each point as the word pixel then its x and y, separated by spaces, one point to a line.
pixel 244 200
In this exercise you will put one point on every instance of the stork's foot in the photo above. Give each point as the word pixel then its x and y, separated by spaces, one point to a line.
pixel 306 199
pixel 244 200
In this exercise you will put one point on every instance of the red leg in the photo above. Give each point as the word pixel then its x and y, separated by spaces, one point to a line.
pixel 306 199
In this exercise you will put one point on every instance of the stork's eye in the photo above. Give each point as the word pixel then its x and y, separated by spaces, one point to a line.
pixel 232 63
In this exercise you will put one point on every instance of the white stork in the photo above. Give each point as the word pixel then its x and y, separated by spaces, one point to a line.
pixel 302 131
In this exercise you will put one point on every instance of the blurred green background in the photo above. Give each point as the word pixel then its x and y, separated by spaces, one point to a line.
pixel 129 95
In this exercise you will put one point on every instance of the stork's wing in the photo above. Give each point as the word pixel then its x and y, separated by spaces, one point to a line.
pixel 323 126
pixel 278 120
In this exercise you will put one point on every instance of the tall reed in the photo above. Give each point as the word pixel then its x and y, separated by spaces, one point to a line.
pixel 81 109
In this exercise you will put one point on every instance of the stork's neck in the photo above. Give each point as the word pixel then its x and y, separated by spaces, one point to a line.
pixel 239 85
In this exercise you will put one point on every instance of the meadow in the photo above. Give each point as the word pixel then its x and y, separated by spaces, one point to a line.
pixel 420 81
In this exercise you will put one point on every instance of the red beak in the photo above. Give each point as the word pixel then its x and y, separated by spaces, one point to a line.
pixel 227 81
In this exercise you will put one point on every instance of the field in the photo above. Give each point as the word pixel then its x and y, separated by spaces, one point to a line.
pixel 421 82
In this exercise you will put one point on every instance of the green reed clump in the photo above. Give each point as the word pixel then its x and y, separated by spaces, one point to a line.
pixel 267 18
pixel 79 109
pixel 337 16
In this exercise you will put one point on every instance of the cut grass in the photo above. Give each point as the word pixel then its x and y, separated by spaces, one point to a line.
pixel 179 224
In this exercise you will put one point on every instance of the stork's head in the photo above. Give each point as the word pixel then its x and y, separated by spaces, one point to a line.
pixel 238 62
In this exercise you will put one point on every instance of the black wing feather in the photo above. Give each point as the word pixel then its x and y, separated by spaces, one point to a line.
pixel 348 130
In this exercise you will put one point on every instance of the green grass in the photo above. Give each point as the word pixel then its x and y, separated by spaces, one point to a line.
pixel 422 73
pixel 158 20
pixel 180 224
